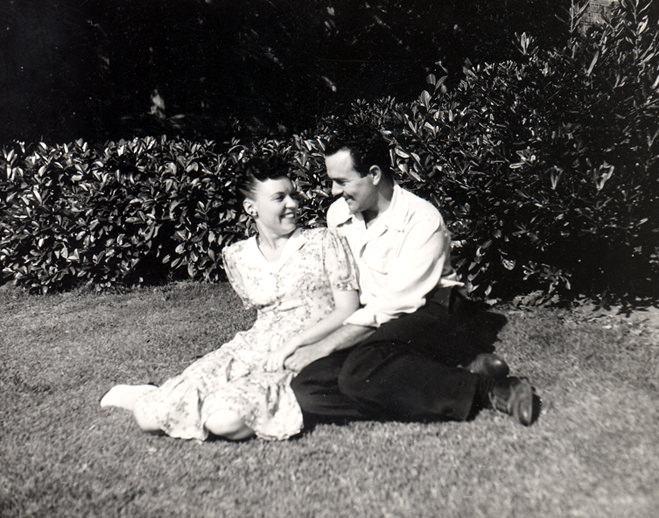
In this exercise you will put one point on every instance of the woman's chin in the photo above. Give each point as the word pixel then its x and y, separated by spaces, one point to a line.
pixel 289 226
pixel 286 230
pixel 291 229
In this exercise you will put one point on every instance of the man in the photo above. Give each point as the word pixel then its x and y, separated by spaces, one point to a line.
pixel 398 356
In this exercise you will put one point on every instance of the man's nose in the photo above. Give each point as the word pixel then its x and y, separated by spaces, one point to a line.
pixel 336 189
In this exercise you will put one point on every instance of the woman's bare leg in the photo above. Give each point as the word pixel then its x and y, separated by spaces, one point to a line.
pixel 229 425
pixel 145 420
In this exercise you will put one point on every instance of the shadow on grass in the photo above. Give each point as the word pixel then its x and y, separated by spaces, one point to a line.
pixel 537 408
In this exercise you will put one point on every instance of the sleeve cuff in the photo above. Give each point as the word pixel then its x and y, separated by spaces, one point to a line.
pixel 363 317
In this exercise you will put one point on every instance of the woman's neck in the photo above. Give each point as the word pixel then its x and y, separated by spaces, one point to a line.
pixel 271 245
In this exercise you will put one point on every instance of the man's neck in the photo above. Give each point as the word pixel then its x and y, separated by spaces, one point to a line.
pixel 385 194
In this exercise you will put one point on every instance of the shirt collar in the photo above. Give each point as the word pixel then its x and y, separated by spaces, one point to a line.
pixel 390 218
pixel 343 214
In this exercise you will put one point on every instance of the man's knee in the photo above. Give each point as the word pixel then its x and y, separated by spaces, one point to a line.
pixel 316 379
pixel 305 387
pixel 300 385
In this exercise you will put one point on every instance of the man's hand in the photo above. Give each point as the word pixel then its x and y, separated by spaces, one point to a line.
pixel 306 355
pixel 344 337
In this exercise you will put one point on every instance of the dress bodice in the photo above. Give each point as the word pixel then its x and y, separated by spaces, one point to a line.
pixel 296 291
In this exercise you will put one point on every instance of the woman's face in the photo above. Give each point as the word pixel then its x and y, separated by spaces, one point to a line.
pixel 273 206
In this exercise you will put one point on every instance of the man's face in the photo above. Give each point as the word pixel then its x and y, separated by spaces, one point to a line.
pixel 359 192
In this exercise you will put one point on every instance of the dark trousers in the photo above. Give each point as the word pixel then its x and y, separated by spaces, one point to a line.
pixel 407 370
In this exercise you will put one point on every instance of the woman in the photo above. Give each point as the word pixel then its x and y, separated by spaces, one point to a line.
pixel 303 285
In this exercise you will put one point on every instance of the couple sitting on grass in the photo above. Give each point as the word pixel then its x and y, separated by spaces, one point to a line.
pixel 353 322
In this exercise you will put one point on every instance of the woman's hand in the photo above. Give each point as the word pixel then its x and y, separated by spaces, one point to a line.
pixel 276 359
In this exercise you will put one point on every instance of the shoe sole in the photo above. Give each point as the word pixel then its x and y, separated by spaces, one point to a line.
pixel 522 403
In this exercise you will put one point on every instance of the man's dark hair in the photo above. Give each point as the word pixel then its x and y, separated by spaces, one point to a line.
pixel 258 169
pixel 367 147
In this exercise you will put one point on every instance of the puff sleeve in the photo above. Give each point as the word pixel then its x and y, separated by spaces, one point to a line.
pixel 339 264
pixel 231 259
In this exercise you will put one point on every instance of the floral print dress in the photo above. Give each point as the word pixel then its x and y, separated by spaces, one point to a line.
pixel 290 296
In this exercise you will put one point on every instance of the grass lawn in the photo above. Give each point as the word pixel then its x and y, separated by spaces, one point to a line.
pixel 593 453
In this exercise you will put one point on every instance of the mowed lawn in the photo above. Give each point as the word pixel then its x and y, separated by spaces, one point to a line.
pixel 594 451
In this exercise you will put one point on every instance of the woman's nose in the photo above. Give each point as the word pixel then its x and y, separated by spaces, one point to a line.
pixel 291 202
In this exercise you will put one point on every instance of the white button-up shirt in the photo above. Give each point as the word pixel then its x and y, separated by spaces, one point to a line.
pixel 402 255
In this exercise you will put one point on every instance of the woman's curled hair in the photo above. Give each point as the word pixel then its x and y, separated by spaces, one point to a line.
pixel 258 169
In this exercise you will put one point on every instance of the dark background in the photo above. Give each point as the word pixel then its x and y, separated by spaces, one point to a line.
pixel 102 69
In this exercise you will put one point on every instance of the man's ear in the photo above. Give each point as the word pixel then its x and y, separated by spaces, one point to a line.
pixel 249 207
pixel 376 173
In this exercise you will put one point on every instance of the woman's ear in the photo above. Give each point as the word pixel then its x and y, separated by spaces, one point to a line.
pixel 249 207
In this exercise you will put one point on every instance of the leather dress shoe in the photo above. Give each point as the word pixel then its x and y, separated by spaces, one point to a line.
pixel 514 396
pixel 489 365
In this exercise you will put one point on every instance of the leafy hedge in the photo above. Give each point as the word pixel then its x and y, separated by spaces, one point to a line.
pixel 544 166
pixel 547 165
pixel 135 211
